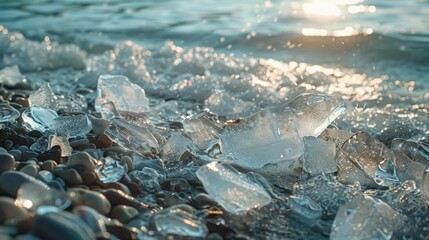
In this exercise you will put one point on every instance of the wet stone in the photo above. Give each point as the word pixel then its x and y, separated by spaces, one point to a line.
pixel 89 198
pixel 10 214
pixel 123 213
pixel 11 181
pixel 7 162
pixel 70 176
pixel 91 217
pixel 16 153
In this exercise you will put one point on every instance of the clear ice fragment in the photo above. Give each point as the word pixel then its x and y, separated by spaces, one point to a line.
pixel 110 170
pixel 8 113
pixel 63 143
pixel 376 160
pixel 319 156
pixel 304 209
pixel 125 95
pixel 223 104
pixel 231 189
pixel 365 218
pixel 176 147
pixel 108 111
pixel 180 220
pixel 148 179
pixel 202 131
pixel 11 76
pixel 424 185
pixel 72 126
pixel 44 97
pixel 37 118
pixel 263 138
pixel 41 199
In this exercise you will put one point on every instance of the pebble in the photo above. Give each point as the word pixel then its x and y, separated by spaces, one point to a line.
pixel 45 176
pixel 88 177
pixel 123 213
pixel 2 150
pixel 91 217
pixel 103 141
pixel 48 165
pixel 117 197
pixel 61 225
pixel 81 159
pixel 28 155
pixel 127 160
pixel 10 181
pixel 122 232
pixel 8 144
pixel 99 125
pixel 70 176
pixel 89 198
pixel 10 214
pixel 118 186
pixel 17 154
pixel 30 169
pixel 7 161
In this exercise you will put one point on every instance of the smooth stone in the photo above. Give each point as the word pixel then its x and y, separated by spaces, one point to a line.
pixel 118 186
pixel 28 155
pixel 26 237
pixel 89 198
pixel 61 225
pixel 10 214
pixel 48 165
pixel 11 181
pixel 7 162
pixel 3 150
pixel 123 213
pixel 70 176
pixel 88 177
pixel 99 125
pixel 17 154
pixel 117 197
pixel 91 217
pixel 45 176
pixel 8 144
pixel 122 232
pixel 81 159
pixel 30 169
pixel 23 148
pixel 127 160
pixel 103 141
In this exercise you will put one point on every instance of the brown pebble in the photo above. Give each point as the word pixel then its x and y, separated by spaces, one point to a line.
pixel 127 160
pixel 70 176
pixel 10 214
pixel 89 198
pixel 87 146
pixel 118 186
pixel 48 165
pixel 123 213
pixel 117 197
pixel 103 141
pixel 30 169
pixel 99 125
pixel 7 162
pixel 81 159
pixel 122 232
pixel 88 177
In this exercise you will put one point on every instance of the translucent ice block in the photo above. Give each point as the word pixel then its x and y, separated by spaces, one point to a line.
pixel 63 143
pixel 43 97
pixel 304 209
pixel 125 95
pixel 148 179
pixel 365 218
pixel 180 220
pixel 11 76
pixel 202 131
pixel 37 118
pixel 319 156
pixel 110 170
pixel 8 113
pixel 72 126
pixel 176 147
pixel 231 189
pixel 223 104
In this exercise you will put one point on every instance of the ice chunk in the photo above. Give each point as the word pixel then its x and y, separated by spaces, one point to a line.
pixel 125 95
pixel 327 192
pixel 304 209
pixel 365 218
pixel 416 151
pixel 335 135
pixel 223 104
pixel 63 143
pixel 424 185
pixel 108 111
pixel 11 76
pixel 40 199
pixel 37 118
pixel 8 113
pixel 176 147
pixel 263 138
pixel 72 126
pixel 43 97
pixel 316 111
pixel 348 172
pixel 202 131
pixel 231 189
pixel 110 170
pixel 319 156
pixel 408 169
pixel 180 220
pixel 140 138
pixel 371 156
pixel 149 179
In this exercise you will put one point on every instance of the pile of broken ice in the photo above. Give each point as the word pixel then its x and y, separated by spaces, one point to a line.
pixel 326 167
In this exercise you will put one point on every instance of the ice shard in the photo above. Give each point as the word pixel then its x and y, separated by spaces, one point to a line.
pixel 37 118
pixel 44 97
pixel 110 170
pixel 176 147
pixel 231 189
pixel 319 156
pixel 125 95
pixel 224 104
pixel 11 76
pixel 202 131
pixel 72 126
pixel 365 218
pixel 62 142
pixel 8 113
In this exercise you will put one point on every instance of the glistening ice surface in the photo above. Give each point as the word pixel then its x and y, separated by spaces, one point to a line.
pixel 177 85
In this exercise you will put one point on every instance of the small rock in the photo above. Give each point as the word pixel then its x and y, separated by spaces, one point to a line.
pixel 10 181
pixel 127 160
pixel 99 125
pixel 91 217
pixel 122 232
pixel 123 213
pixel 118 186
pixel 61 225
pixel 48 165
pixel 2 150
pixel 103 141
pixel 88 177
pixel 29 154
pixel 89 198
pixel 7 162
pixel 30 169
pixel 10 214
pixel 117 197
pixel 70 176
pixel 81 159
pixel 17 154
